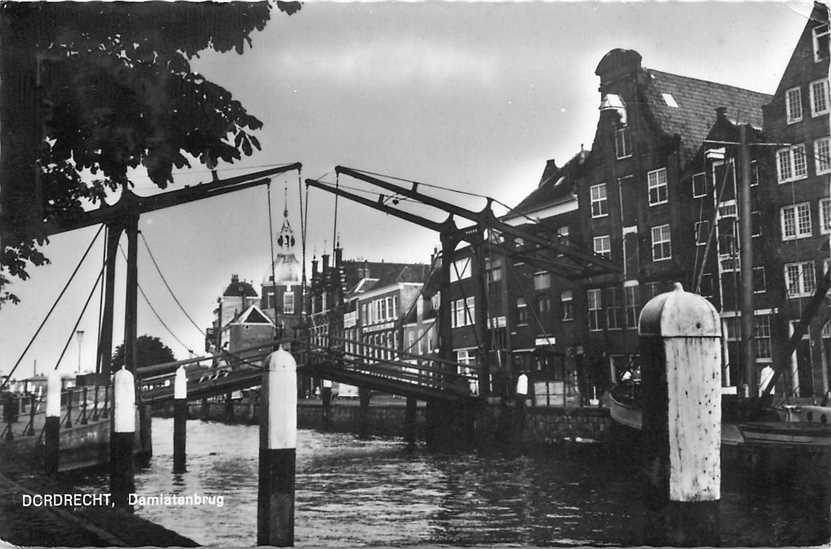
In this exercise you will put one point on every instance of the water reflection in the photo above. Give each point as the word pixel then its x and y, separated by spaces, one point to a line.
pixel 377 492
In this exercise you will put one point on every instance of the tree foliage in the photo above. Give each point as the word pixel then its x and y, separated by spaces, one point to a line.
pixel 149 350
pixel 115 92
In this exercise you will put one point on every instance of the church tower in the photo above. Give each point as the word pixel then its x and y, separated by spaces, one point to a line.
pixel 282 287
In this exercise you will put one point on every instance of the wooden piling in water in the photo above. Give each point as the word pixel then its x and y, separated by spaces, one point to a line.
pixel 680 353
pixel 278 444
pixel 180 417
pixel 364 394
pixel 123 436
pixel 410 421
pixel 52 428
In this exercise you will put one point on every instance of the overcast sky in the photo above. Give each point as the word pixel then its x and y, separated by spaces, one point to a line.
pixel 471 96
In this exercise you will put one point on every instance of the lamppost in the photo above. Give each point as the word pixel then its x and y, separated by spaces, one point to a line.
pixel 80 336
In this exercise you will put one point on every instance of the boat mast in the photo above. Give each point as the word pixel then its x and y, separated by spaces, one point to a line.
pixel 746 261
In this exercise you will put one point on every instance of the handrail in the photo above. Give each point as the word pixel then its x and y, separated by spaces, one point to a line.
pixel 69 397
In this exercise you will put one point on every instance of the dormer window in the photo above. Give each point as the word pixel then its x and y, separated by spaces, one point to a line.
pixel 669 100
pixel 613 102
pixel 820 43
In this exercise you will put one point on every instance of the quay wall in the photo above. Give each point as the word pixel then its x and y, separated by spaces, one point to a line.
pixel 488 423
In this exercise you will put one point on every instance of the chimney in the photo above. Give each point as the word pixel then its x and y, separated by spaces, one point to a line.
pixel 721 113
pixel 314 267
pixel 338 256
pixel 234 278
pixel 325 267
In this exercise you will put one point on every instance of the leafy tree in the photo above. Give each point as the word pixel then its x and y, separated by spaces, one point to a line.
pixel 149 350
pixel 110 88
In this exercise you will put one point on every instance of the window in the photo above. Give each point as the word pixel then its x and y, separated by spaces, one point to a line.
pixel 820 33
pixel 702 231
pixel 761 334
pixel 759 282
pixel 661 245
pixel 707 285
pixel 699 185
pixel 754 173
pixel 462 312
pixel 755 224
pixel 563 232
pixel 793 105
pixel 657 180
pixel 494 270
pixel 791 164
pixel 603 246
pixel 395 306
pixel 614 308
pixel 542 281
pixel 521 311
pixel 630 297
pixel 593 302
pixel 567 304
pixel 599 205
pixel 819 97
pixel 288 303
pixel 623 143
pixel 800 279
pixel 460 269
pixel 796 221
pixel 825 215
pixel 543 303
pixel 822 155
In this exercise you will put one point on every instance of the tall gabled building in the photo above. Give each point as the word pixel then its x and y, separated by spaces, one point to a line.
pixel 798 117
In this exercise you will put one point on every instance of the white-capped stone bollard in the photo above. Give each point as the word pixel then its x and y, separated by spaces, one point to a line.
pixel 123 436
pixel 52 429
pixel 680 355
pixel 180 418
pixel 278 444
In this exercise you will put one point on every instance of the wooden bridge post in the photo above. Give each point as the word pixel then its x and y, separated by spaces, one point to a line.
pixel 123 436
pixel 326 401
pixel 680 349
pixel 205 409
pixel 180 417
pixel 53 423
pixel 410 422
pixel 364 394
pixel 229 407
pixel 278 444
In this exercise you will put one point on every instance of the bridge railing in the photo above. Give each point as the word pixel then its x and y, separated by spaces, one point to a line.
pixel 377 360
pixel 79 405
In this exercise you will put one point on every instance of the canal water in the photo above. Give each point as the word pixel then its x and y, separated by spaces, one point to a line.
pixel 354 492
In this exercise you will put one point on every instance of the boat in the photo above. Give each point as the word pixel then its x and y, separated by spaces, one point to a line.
pixel 745 422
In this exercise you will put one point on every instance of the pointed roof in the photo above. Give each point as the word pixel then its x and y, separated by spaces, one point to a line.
pixel 239 288
pixel 252 315
pixel 686 106
pixel 556 184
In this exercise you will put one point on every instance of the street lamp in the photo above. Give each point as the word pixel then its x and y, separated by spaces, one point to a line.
pixel 80 336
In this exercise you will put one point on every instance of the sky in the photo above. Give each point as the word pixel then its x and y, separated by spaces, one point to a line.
pixel 472 96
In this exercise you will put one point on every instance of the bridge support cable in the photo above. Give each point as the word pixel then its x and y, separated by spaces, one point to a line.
pixel 155 313
pixel 52 308
pixel 101 303
pixel 80 316
pixel 169 289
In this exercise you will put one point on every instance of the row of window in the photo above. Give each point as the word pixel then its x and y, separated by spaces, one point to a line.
pixel 657 188
pixel 818 100
pixel 380 310
pixel 661 244
pixel 796 221
pixel 792 165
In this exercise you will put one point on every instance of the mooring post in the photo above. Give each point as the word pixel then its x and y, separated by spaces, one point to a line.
pixel 123 436
pixel 53 423
pixel 180 417
pixel 326 400
pixel 680 352
pixel 278 444
pixel 364 394
pixel 410 422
